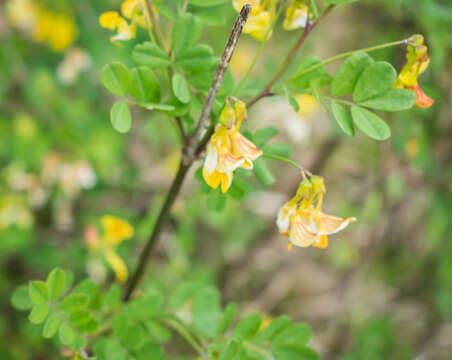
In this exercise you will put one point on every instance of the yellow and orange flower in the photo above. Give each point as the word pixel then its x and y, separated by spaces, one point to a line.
pixel 260 19
pixel 302 220
pixel 115 231
pixel 228 149
pixel 113 21
pixel 416 64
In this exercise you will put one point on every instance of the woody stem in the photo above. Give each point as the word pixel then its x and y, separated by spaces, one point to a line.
pixel 189 155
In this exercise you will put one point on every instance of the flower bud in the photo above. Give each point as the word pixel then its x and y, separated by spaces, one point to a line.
pixel 227 116
pixel 240 110
pixel 305 188
pixel 318 185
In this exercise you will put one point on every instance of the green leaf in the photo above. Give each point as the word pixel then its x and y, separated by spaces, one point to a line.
pixel 216 200
pixel 262 172
pixel 279 149
pixel 20 298
pixel 231 350
pixel 239 189
pixel 206 310
pixel 186 32
pixel 293 352
pixel 116 78
pixel 67 334
pixel 120 116
pixel 248 327
pixel 261 136
pixel 144 85
pixel 274 329
pixel 227 318
pixel 343 118
pixel 370 124
pixel 393 100
pixel 91 326
pixel 37 291
pixel 207 2
pixel 165 11
pixel 151 350
pixel 295 334
pixel 80 317
pixel 291 99
pixel 196 58
pixel 180 88
pixel 39 313
pixel 374 80
pixel 150 55
pixel 112 297
pixel 346 76
pixel 300 80
pixel 51 326
pixel 56 282
pixel 74 302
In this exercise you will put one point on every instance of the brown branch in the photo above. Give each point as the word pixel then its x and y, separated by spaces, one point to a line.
pixel 216 82
pixel 188 155
pixel 266 91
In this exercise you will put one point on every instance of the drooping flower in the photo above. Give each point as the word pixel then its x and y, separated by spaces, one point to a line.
pixel 302 219
pixel 296 15
pixel 228 149
pixel 417 61
pixel 115 231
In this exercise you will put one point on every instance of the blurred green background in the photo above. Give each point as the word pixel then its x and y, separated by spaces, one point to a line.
pixel 383 288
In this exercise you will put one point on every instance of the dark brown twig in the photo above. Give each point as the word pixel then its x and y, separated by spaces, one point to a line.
pixel 216 82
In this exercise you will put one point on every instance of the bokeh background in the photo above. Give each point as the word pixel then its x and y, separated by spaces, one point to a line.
pixel 382 289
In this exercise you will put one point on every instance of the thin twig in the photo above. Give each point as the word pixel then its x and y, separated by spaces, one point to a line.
pixel 155 24
pixel 282 69
pixel 216 82
pixel 181 128
pixel 188 156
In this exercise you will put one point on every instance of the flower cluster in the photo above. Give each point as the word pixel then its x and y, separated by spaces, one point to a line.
pixel 263 15
pixel 302 219
pixel 228 149
pixel 115 231
pixel 55 29
pixel 417 62
pixel 134 13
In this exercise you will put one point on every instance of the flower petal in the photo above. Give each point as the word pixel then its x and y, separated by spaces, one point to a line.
pixel 241 146
pixel 228 162
pixel 117 264
pixel 299 233
pixel 226 180
pixel 327 224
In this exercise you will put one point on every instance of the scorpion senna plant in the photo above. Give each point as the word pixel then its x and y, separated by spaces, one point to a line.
pixel 182 80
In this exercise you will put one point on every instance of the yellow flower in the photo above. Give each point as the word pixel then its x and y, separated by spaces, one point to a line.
pixel 416 64
pixel 113 21
pixel 134 11
pixel 296 15
pixel 116 230
pixel 302 219
pixel 260 18
pixel 228 149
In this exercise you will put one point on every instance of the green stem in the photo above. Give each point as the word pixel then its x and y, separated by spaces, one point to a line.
pixel 176 326
pixel 258 52
pixel 283 159
pixel 350 53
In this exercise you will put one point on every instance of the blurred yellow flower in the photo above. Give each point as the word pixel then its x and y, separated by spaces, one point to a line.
pixel 228 149
pixel 416 64
pixel 58 30
pixel 307 104
pixel 115 231
pixel 296 15
pixel 302 219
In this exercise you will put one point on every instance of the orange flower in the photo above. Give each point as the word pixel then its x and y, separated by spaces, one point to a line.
pixel 417 62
